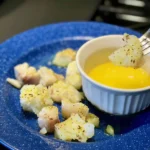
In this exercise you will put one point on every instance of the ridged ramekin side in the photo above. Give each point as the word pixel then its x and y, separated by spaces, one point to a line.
pixel 115 102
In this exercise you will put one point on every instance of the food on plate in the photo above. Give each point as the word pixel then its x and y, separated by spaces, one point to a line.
pixel 73 76
pixel 74 80
pixel 61 90
pixel 120 76
pixel 129 55
pixel 68 108
pixel 74 128
pixel 91 118
pixel 34 97
pixel 43 131
pixel 40 88
pixel 64 57
pixel 47 118
pixel 110 130
pixel 72 69
pixel 14 82
pixel 26 74
pixel 48 76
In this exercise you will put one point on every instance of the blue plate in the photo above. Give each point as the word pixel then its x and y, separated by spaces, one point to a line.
pixel 19 130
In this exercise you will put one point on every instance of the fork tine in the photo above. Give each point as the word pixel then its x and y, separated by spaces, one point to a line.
pixel 145 43
pixel 145 48
pixel 142 39
pixel 147 51
pixel 145 35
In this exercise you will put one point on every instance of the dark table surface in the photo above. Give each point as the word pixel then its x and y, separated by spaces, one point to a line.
pixel 19 15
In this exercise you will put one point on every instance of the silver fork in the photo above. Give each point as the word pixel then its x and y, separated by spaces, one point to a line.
pixel 145 42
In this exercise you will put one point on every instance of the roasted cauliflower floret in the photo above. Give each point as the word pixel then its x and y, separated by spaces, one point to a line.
pixel 72 69
pixel 26 74
pixel 91 118
pixel 34 97
pixel 14 82
pixel 110 130
pixel 47 118
pixel 74 128
pixel 73 76
pixel 69 108
pixel 63 58
pixel 128 55
pixel 48 76
pixel 74 80
pixel 61 90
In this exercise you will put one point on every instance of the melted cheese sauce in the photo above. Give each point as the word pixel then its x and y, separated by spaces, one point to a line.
pixel 100 69
pixel 120 77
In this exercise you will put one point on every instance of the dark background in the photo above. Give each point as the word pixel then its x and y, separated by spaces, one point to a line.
pixel 19 15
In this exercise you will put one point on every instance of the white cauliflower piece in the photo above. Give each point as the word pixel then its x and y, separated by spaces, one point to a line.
pixel 131 40
pixel 43 131
pixel 47 118
pixel 128 55
pixel 74 80
pixel 61 90
pixel 26 74
pixel 72 69
pixel 63 58
pixel 20 70
pixel 14 83
pixel 33 98
pixel 48 76
pixel 69 108
pixel 73 76
pixel 74 128
pixel 91 118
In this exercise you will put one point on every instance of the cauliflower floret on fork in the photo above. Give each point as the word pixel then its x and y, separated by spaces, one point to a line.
pixel 61 90
pixel 69 108
pixel 34 97
pixel 64 57
pixel 47 118
pixel 129 55
pixel 48 76
pixel 74 128
pixel 26 74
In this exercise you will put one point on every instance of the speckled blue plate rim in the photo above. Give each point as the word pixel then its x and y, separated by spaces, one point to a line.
pixel 12 131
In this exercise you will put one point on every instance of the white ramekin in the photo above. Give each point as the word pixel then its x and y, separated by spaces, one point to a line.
pixel 112 100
